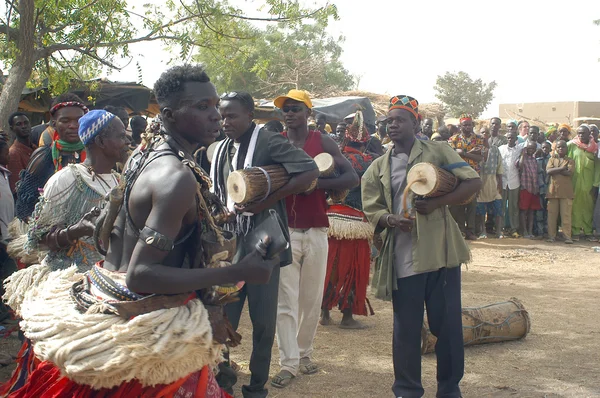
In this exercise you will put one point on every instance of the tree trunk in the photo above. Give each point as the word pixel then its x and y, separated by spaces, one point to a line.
pixel 21 69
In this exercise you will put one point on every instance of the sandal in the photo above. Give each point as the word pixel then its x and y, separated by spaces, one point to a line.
pixel 282 379
pixel 591 238
pixel 307 367
pixel 550 240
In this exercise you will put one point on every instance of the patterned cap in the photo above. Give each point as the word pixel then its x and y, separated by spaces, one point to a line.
pixel 465 116
pixel 92 123
pixel 405 102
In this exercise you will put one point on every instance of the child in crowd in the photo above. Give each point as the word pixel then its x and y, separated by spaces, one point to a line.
pixel 489 199
pixel 560 192
pixel 529 198
pixel 540 227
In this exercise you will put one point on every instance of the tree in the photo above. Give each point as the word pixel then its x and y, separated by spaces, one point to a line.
pixel 276 59
pixel 461 94
pixel 58 40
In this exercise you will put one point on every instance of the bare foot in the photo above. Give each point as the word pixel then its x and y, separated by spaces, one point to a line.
pixel 352 324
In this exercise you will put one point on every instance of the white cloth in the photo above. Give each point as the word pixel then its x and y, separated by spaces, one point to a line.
pixel 300 296
pixel 247 160
pixel 7 203
pixel 510 178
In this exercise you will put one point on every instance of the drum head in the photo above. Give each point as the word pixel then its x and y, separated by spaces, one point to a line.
pixel 324 161
pixel 211 151
pixel 425 172
pixel 236 187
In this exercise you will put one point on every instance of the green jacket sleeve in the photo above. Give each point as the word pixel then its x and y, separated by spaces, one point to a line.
pixel 450 157
pixel 373 197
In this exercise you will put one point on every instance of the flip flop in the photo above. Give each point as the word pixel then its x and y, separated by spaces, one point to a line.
pixel 308 367
pixel 282 379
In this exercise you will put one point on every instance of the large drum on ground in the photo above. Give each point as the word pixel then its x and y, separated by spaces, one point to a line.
pixel 491 323
pixel 255 184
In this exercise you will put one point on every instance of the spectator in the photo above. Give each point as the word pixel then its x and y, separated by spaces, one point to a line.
pixel 138 126
pixel 523 128
pixel 120 112
pixel 496 138
pixel 469 146
pixel 529 196
pixel 510 182
pixel 586 179
pixel 540 227
pixel 560 192
pixel 489 199
pixel 21 149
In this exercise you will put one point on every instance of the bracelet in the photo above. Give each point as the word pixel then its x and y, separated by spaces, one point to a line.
pixel 387 221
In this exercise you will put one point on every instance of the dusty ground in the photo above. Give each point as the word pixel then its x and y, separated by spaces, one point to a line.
pixel 559 286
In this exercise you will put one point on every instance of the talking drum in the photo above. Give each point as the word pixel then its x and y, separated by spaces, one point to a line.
pixel 429 181
pixel 326 165
pixel 255 184
pixel 491 323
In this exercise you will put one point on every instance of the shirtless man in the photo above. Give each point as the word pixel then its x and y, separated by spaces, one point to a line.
pixel 191 119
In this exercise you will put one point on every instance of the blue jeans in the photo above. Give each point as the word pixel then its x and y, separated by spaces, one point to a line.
pixel 440 292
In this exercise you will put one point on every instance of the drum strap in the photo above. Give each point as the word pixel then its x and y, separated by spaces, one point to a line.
pixel 268 177
pixel 452 166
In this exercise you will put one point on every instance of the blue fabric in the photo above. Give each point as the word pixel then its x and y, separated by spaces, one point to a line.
pixel 452 166
pixel 492 208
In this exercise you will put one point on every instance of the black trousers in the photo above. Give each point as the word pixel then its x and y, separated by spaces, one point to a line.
pixel 262 307
pixel 440 291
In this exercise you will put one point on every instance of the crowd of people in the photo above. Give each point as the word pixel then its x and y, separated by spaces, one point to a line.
pixel 114 228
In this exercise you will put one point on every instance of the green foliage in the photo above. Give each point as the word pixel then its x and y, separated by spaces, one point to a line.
pixel 76 39
pixel 461 94
pixel 270 61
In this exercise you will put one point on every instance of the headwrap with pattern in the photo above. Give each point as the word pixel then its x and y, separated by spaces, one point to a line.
pixel 67 104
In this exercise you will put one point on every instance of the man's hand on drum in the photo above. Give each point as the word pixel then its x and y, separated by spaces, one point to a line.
pixel 426 206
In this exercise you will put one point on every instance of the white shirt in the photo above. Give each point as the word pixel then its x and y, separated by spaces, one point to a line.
pixel 510 178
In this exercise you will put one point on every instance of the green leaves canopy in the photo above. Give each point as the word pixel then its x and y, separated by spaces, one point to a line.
pixel 461 94
pixel 273 60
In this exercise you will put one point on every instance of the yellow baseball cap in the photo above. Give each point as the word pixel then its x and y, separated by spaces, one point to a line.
pixel 296 95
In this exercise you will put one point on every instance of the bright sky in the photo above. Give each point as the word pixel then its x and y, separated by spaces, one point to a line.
pixel 536 50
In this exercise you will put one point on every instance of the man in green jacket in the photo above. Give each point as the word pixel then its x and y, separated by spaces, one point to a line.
pixel 421 256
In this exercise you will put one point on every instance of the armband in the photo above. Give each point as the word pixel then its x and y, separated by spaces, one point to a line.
pixel 156 239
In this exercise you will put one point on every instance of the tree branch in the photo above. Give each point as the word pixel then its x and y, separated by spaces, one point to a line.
pixel 10 32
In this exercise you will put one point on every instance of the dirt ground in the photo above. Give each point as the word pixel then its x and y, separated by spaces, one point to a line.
pixel 559 285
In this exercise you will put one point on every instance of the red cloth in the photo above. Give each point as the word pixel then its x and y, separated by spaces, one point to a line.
pixel 47 382
pixel 26 364
pixel 348 266
pixel 529 201
pixel 19 158
pixel 308 211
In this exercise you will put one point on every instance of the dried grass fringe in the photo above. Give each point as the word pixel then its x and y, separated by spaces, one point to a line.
pixel 346 229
